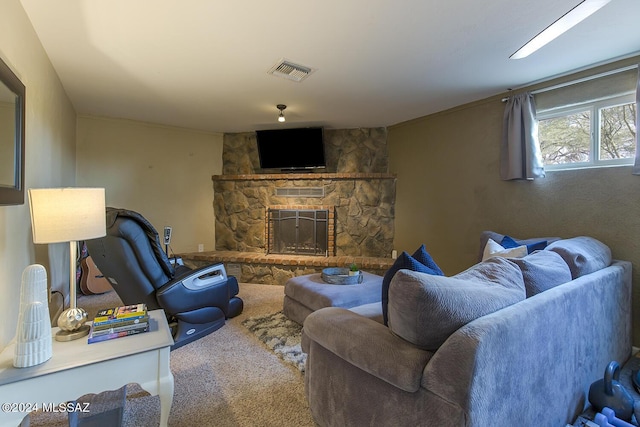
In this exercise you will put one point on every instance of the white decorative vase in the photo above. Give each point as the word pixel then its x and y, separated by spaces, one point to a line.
pixel 33 334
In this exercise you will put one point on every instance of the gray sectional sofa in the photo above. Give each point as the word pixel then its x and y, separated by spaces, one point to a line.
pixel 501 352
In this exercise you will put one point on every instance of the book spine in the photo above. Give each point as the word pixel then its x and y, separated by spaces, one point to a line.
pixel 116 323
pixel 127 310
pixel 107 320
pixel 121 312
pixel 103 315
pixel 100 332
pixel 115 335
pixel 130 315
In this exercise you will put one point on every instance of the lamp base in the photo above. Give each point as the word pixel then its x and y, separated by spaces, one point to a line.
pixel 63 335
pixel 71 324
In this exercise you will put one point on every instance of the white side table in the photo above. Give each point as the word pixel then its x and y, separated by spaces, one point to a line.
pixel 77 368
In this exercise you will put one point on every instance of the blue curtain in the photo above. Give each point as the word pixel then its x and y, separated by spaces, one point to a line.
pixel 636 164
pixel 520 156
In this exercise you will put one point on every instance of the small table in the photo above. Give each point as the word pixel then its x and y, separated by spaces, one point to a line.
pixel 77 368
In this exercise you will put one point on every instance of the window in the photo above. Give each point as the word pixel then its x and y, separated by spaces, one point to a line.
pixel 589 122
pixel 599 133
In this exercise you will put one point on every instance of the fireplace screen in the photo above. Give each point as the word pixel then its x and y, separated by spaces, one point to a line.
pixel 297 231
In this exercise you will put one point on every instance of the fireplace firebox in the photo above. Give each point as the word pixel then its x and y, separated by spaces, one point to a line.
pixel 304 231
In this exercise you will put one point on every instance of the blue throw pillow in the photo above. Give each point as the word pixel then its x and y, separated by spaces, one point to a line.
pixel 509 242
pixel 407 262
pixel 423 257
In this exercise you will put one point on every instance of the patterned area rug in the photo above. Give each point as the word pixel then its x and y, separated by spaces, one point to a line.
pixel 281 335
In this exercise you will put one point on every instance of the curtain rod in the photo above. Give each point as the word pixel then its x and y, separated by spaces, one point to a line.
pixel 582 80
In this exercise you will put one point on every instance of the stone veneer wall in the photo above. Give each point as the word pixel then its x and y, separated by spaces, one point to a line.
pixel 355 181
pixel 346 150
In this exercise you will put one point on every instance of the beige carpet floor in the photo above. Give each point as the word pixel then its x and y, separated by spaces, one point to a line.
pixel 228 378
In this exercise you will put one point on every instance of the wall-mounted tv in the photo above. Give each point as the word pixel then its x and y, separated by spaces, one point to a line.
pixel 291 149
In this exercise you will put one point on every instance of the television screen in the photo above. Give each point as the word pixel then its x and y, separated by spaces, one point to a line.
pixel 301 148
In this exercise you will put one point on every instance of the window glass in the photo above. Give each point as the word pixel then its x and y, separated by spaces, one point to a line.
pixel 597 133
pixel 566 139
pixel 617 132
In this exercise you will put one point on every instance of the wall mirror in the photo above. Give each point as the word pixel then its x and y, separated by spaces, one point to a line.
pixel 12 94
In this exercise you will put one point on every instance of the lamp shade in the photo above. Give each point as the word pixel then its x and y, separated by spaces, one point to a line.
pixel 67 214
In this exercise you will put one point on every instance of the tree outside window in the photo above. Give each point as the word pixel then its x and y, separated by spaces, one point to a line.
pixel 600 133
pixel 618 132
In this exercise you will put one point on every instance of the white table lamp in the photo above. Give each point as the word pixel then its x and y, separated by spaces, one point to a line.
pixel 68 215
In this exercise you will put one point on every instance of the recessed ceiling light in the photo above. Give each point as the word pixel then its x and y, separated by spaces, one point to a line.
pixel 576 15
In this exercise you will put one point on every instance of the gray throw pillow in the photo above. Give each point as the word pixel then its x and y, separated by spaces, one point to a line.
pixel 425 309
pixel 542 270
pixel 583 254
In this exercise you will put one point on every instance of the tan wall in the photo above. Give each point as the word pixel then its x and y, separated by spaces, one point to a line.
pixel 162 172
pixel 449 190
pixel 50 160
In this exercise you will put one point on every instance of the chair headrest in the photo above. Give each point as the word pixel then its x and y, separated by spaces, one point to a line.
pixel 154 239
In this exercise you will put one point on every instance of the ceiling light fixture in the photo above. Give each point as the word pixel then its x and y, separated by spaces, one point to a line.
pixel 576 15
pixel 281 107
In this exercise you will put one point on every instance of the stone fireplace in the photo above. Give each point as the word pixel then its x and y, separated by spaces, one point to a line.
pixel 355 190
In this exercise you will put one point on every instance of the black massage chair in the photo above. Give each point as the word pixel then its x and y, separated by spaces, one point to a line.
pixel 130 256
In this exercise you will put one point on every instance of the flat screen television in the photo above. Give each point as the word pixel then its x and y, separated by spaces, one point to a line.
pixel 291 149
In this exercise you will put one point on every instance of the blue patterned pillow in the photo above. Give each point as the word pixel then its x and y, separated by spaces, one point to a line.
pixel 407 262
pixel 509 242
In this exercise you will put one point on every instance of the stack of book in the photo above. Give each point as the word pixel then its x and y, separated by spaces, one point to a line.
pixel 119 322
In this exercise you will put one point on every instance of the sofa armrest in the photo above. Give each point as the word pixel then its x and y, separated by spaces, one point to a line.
pixel 202 277
pixel 368 345
pixel 543 352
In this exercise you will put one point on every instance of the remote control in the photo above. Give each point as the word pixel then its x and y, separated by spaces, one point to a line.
pixel 167 235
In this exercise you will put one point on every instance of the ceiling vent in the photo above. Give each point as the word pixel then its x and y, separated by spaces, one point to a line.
pixel 291 71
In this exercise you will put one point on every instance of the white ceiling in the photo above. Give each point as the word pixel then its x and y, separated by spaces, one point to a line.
pixel 202 64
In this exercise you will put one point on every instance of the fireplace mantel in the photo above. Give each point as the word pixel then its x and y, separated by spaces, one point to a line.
pixel 302 176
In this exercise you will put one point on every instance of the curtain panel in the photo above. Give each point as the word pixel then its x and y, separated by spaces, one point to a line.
pixel 520 156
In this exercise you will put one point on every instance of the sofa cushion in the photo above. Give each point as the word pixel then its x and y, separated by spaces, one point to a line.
pixel 509 242
pixel 542 270
pixel 371 311
pixel 497 237
pixel 496 249
pixel 408 262
pixel 582 254
pixel 426 309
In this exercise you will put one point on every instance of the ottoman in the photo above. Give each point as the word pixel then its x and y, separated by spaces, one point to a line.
pixel 305 294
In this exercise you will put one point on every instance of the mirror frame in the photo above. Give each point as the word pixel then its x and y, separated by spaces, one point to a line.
pixel 14 195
